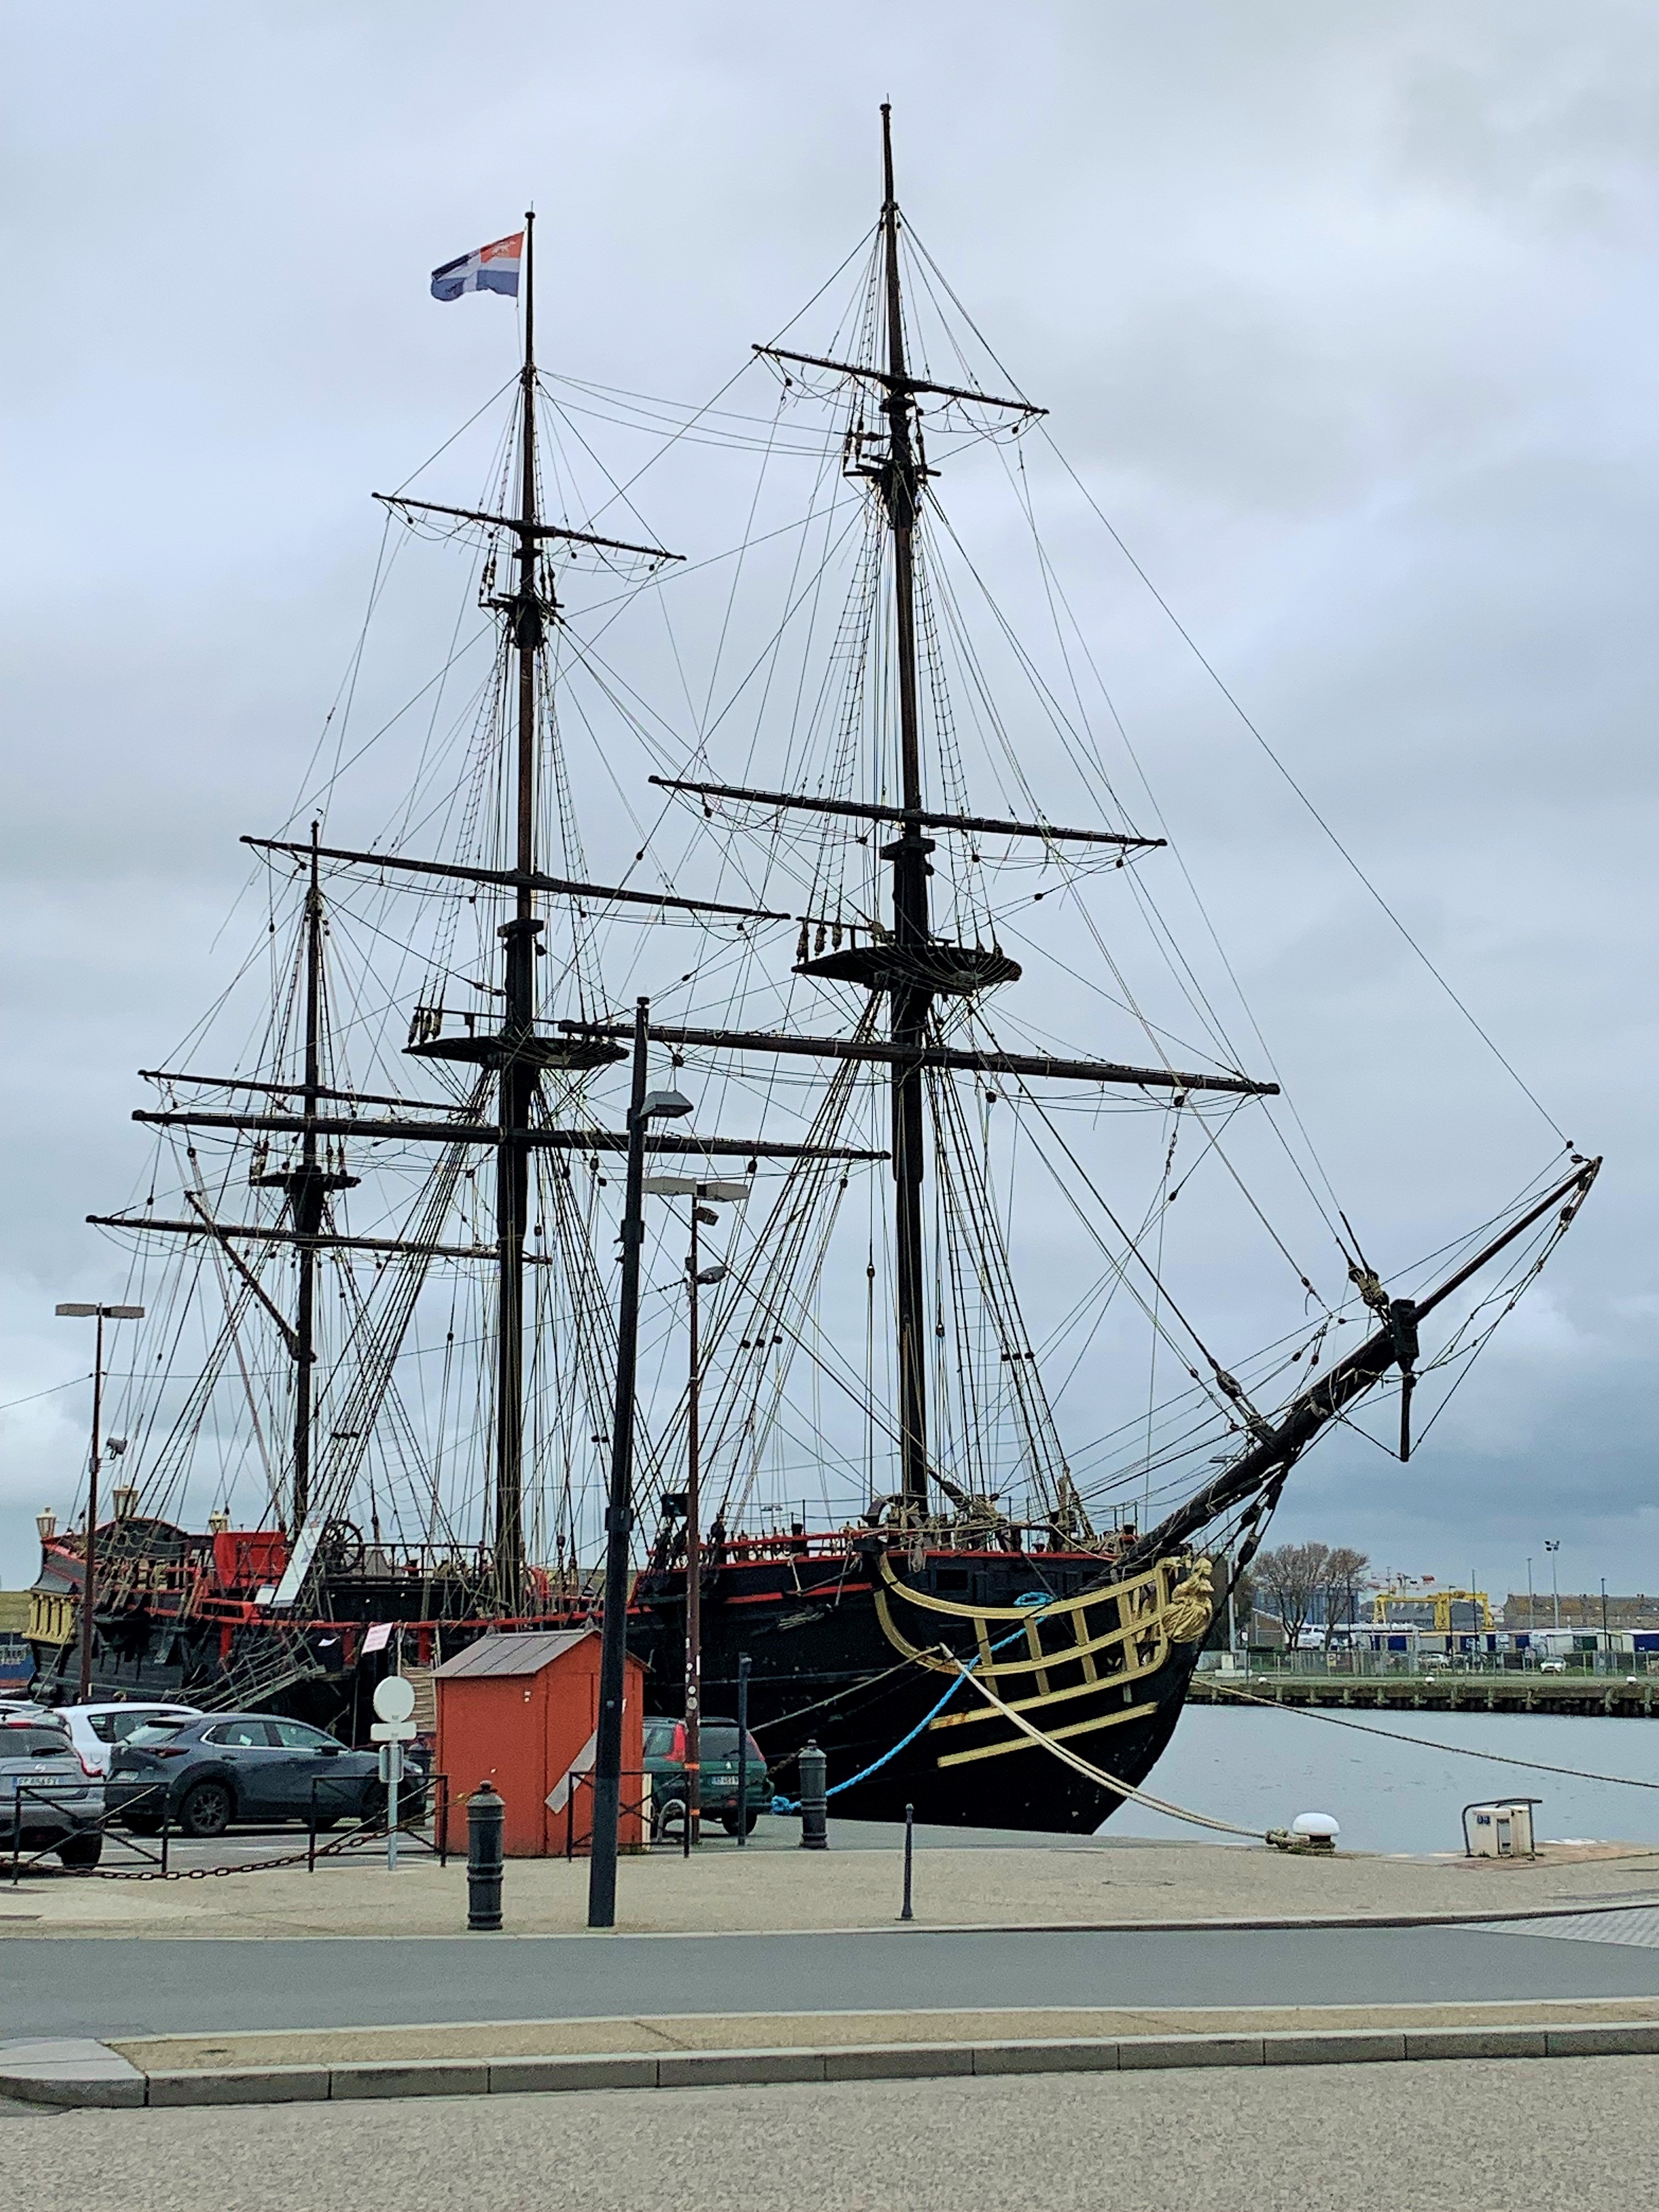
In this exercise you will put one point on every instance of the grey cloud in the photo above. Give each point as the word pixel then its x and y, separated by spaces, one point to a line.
pixel 1344 315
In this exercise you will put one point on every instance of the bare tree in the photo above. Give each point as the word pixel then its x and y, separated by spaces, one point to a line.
pixel 1290 1577
pixel 1345 1570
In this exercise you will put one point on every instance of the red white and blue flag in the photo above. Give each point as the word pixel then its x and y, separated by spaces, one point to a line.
pixel 491 269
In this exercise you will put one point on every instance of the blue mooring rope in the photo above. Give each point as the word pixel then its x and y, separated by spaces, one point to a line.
pixel 793 1804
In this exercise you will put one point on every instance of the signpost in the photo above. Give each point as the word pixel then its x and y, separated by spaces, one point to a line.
pixel 394 1701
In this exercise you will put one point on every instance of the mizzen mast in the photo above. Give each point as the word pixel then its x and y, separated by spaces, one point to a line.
pixel 306 1183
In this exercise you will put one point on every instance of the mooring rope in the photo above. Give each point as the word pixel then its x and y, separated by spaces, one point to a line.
pixel 1081 1765
pixel 1426 1743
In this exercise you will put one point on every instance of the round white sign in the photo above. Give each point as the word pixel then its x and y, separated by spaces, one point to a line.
pixel 394 1699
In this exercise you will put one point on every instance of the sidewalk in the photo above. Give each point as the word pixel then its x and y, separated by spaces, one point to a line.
pixel 962 1879
pixel 492 2059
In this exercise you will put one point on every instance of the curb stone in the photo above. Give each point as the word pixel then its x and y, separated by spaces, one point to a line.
pixel 79 2072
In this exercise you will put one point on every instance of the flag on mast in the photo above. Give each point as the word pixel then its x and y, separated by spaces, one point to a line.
pixel 491 269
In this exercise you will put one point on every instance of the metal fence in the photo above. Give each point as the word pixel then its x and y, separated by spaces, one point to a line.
pixel 1265 1663
pixel 156 1864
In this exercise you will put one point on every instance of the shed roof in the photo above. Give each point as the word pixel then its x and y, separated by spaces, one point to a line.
pixel 523 1653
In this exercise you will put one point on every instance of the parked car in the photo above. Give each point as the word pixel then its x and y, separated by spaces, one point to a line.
pixel 48 1799
pixel 224 1768
pixel 94 1730
pixel 25 1709
pixel 717 1791
pixel 1551 1666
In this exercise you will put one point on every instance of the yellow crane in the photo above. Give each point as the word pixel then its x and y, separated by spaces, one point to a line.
pixel 1442 1600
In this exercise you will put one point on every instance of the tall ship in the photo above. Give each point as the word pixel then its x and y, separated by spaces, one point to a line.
pixel 800 851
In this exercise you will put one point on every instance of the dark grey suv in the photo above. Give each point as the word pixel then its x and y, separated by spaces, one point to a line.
pixel 219 1768
pixel 48 1801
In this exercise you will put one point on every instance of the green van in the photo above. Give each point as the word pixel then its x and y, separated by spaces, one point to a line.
pixel 664 1767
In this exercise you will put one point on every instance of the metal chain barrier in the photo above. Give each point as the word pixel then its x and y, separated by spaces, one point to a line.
pixel 363 1831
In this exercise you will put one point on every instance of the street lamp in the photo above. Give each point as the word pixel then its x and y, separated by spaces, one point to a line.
pixel 1553 1546
pixel 704 1197
pixel 1531 1623
pixel 644 1107
pixel 89 1556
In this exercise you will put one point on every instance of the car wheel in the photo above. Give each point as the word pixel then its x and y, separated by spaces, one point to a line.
pixel 142 1824
pixel 372 1805
pixel 729 1822
pixel 80 1850
pixel 206 1811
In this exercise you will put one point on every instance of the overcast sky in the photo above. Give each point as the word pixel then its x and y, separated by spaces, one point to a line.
pixel 1346 315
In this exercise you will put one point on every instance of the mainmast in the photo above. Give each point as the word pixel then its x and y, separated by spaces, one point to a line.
pixel 518 1069
pixel 900 483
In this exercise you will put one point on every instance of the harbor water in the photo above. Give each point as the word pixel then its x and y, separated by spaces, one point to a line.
pixel 1262 1768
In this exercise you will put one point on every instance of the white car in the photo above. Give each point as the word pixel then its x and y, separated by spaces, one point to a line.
pixel 94 1730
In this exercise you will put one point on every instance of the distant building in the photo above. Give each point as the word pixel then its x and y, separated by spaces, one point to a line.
pixel 1580 1609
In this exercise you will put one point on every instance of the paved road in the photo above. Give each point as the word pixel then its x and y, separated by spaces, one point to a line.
pixel 1551 2135
pixel 105 1986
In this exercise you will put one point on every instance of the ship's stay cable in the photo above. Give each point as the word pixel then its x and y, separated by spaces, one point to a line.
pixel 1140 772
pixel 1426 1743
pixel 1215 677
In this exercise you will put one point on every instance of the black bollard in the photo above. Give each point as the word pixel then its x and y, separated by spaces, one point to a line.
pixel 485 1812
pixel 814 1799
pixel 910 1840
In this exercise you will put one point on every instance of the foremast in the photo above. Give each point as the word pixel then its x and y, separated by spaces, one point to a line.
pixel 519 1078
pixel 900 485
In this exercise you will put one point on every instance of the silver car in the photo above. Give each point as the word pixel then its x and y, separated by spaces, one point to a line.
pixel 48 1800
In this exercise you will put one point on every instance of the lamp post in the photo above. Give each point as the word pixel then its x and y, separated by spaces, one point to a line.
pixel 1553 1546
pixel 1531 1623
pixel 89 1557
pixel 1604 1613
pixel 644 1107
pixel 703 1196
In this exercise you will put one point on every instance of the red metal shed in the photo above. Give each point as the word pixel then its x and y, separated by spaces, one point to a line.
pixel 522 1712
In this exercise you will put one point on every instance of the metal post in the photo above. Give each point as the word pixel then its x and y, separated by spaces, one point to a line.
pixel 394 1770
pixel 485 1815
pixel 693 1576
pixel 909 1841
pixel 89 1554
pixel 814 1799
pixel 742 1749
pixel 89 1568
pixel 607 1759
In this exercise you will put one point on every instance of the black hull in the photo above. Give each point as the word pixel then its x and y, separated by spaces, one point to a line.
pixel 823 1667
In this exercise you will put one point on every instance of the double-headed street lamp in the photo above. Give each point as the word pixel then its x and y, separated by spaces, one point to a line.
pixel 1553 1546
pixel 704 1197
pixel 644 1107
pixel 90 1560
